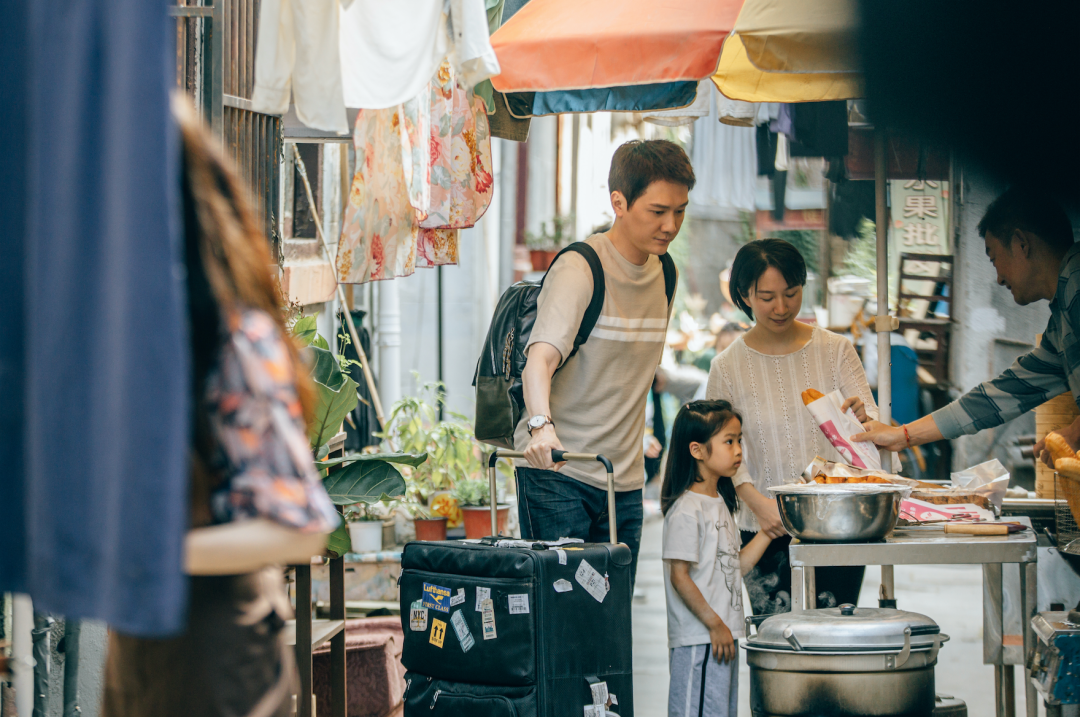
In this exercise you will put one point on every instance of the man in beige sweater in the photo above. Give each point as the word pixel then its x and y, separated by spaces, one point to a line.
pixel 594 401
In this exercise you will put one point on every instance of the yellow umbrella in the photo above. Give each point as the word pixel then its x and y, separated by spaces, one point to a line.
pixel 792 51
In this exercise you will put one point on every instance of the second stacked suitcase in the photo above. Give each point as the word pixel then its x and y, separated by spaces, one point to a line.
pixel 558 621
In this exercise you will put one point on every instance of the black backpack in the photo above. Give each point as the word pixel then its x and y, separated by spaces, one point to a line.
pixel 500 400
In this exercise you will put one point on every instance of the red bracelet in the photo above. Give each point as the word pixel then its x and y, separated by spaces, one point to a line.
pixel 907 437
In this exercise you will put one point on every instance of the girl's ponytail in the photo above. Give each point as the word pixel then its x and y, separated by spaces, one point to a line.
pixel 697 422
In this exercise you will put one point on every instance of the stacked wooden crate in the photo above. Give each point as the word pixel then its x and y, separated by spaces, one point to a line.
pixel 1056 413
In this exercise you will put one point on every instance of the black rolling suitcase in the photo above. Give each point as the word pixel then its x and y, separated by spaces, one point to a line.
pixel 502 628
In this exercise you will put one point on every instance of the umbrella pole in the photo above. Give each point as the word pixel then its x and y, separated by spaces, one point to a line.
pixel 884 324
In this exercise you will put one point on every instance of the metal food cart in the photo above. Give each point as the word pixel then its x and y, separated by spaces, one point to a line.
pixel 928 545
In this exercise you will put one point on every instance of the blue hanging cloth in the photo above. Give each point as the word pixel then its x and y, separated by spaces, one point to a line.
pixel 93 341
pixel 632 98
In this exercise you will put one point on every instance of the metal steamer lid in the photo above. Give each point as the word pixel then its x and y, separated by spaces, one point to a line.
pixel 845 629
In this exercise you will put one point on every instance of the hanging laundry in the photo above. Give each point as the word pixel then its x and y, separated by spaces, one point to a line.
pixel 390 50
pixel 484 90
pixel 437 247
pixel 460 154
pixel 735 112
pixel 297 54
pixel 379 234
pixel 821 129
pixel 686 115
pixel 725 160
pixel 784 121
pixel 505 125
pixel 766 151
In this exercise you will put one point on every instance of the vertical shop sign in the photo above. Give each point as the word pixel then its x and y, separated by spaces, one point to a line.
pixel 920 225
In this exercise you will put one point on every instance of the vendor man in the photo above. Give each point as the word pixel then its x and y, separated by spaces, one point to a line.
pixel 1029 240
pixel 594 400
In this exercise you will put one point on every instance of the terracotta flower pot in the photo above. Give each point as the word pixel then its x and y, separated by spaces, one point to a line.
pixel 539 260
pixel 478 520
pixel 430 528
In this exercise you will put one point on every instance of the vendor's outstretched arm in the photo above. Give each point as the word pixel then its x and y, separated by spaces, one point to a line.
pixel 892 438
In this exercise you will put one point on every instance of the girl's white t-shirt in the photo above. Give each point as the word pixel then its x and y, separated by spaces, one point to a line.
pixel 701 530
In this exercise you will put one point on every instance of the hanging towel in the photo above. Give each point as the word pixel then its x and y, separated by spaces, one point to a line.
pixel 297 54
pixel 686 115
pixel 390 49
pixel 725 160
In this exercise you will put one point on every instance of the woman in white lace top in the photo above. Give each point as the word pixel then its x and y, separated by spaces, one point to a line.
pixel 763 374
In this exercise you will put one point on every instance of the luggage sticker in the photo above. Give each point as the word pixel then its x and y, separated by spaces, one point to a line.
pixel 461 629
pixel 438 632
pixel 594 711
pixel 594 583
pixel 418 617
pixel 562 556
pixel 458 598
pixel 519 604
pixel 563 586
pixel 488 612
pixel 482 594
pixel 599 693
pixel 436 598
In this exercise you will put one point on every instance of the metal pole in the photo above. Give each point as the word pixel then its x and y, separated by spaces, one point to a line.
pixel 72 631
pixel 439 336
pixel 340 292
pixel 22 660
pixel 884 322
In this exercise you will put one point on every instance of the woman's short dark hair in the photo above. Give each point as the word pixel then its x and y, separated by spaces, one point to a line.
pixel 752 261
pixel 696 422
pixel 638 164
pixel 1030 211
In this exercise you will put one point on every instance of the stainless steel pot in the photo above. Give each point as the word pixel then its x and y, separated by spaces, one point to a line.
pixel 841 513
pixel 842 662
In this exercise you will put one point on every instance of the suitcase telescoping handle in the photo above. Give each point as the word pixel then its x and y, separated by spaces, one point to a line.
pixel 557 456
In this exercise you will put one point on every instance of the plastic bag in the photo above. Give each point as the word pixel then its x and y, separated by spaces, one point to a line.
pixel 839 426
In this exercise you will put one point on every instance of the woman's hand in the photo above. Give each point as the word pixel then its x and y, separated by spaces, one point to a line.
pixel 858 408
pixel 764 509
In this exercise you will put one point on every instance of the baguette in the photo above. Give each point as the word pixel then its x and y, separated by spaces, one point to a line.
pixel 1059 448
pixel 810 395
pixel 1068 467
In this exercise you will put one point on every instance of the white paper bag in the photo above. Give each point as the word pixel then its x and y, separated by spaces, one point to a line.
pixel 839 426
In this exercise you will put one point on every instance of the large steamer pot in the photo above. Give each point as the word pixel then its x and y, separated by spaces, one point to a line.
pixel 857 513
pixel 843 662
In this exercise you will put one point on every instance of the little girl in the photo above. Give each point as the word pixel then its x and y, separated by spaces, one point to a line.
pixel 703 566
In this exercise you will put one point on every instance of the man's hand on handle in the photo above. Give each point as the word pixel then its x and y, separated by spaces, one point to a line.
pixel 538 452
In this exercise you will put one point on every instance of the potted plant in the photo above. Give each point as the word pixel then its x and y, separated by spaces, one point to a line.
pixel 358 478
pixel 544 247
pixel 365 528
pixel 473 495
pixel 453 455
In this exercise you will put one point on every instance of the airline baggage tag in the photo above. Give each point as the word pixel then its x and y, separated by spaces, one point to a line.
pixel 562 556
pixel 438 632
pixel 599 694
pixel 488 613
pixel 458 598
pixel 418 617
pixel 462 630
pixel 519 604
pixel 482 594
pixel 594 583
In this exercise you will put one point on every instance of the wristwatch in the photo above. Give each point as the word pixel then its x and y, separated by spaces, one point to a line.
pixel 539 421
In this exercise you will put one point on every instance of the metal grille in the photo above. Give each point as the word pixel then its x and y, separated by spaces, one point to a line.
pixel 1066 510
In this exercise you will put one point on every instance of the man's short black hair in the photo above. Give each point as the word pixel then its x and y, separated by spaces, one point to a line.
pixel 1030 211
pixel 638 164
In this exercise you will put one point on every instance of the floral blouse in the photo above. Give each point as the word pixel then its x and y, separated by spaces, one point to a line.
pixel 258 426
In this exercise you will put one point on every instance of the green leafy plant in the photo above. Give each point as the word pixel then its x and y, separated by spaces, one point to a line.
pixel 361 479
pixel 361 513
pixel 471 492
pixel 562 229
pixel 454 453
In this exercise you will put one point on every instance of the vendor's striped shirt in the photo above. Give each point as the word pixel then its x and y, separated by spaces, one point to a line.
pixel 1052 368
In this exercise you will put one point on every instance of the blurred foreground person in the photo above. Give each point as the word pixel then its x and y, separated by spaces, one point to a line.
pixel 256 500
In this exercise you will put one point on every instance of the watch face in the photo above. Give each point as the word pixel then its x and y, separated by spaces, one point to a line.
pixel 537 421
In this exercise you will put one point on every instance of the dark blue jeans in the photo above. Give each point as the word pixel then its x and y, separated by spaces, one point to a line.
pixel 552 506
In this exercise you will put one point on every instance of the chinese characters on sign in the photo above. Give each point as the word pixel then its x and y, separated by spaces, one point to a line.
pixel 920 225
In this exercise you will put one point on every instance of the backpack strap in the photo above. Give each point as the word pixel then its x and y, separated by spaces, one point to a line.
pixel 670 275
pixel 596 304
